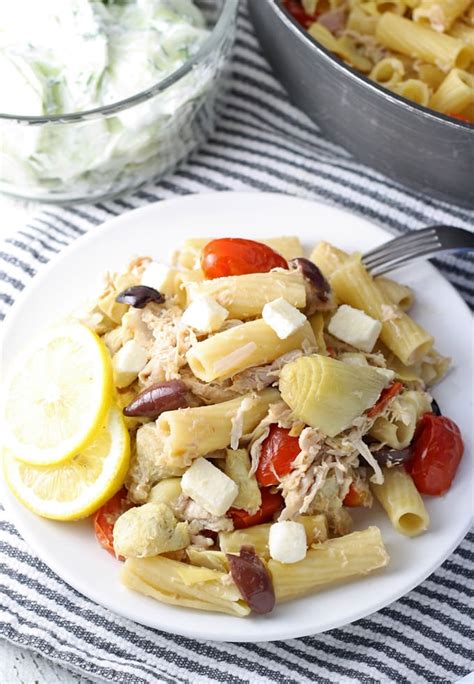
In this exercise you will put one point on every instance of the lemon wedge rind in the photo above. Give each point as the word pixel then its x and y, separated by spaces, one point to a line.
pixel 77 488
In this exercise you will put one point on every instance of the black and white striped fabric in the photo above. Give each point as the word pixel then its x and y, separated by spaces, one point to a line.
pixel 262 143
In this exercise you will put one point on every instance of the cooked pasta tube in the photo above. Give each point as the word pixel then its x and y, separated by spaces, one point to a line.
pixel 388 72
pixel 257 535
pixel 354 555
pixel 237 467
pixel 402 502
pixel 328 394
pixel 413 89
pixel 206 558
pixel 245 296
pixel 398 294
pixel 455 93
pixel 439 14
pixel 361 22
pixel 317 323
pixel 407 409
pixel 329 258
pixel 420 42
pixel 193 432
pixel 432 75
pixel 344 47
pixel 395 6
pixel 251 344
pixel 405 338
pixel 189 255
pixel 463 32
pixel 434 367
pixel 181 584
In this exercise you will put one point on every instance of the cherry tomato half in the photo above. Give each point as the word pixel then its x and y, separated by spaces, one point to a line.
pixel 296 10
pixel 437 451
pixel 387 394
pixel 236 256
pixel 106 517
pixel 278 452
pixel 271 504
pixel 354 497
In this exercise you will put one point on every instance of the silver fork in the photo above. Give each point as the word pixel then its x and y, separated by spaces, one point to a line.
pixel 419 244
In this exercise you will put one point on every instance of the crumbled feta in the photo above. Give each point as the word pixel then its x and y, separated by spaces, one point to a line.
pixel 287 541
pixel 128 362
pixel 282 317
pixel 160 277
pixel 205 315
pixel 355 328
pixel 209 487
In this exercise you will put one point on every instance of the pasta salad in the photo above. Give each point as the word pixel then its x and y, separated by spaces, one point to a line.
pixel 227 414
pixel 420 49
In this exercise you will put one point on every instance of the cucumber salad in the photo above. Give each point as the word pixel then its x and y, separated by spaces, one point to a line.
pixel 85 54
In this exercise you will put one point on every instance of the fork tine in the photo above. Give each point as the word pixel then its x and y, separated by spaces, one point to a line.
pixel 402 239
pixel 400 250
pixel 401 260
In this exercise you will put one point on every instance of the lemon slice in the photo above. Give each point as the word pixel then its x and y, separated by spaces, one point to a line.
pixel 77 488
pixel 57 395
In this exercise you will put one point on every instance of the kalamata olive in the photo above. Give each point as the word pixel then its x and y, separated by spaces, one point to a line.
pixel 392 457
pixel 154 400
pixel 318 290
pixel 139 296
pixel 435 408
pixel 253 580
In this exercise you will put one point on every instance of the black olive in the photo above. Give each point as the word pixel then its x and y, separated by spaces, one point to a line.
pixel 154 400
pixel 435 408
pixel 139 296
pixel 253 580
pixel 392 457
pixel 318 290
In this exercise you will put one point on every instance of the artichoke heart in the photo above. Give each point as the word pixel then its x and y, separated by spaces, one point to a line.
pixel 328 394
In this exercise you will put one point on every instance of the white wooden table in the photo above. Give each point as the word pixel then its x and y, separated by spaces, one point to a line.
pixel 19 666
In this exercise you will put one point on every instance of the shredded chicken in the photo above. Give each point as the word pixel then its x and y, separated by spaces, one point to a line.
pixel 199 519
pixel 159 329
pixel 208 392
pixel 259 377
pixel 390 312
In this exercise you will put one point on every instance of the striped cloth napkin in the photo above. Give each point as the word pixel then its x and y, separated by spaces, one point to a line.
pixel 261 143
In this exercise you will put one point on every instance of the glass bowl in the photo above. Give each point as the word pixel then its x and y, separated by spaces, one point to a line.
pixel 90 155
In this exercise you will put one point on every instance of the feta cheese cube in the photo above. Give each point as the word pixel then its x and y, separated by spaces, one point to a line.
pixel 282 317
pixel 128 362
pixel 209 487
pixel 205 315
pixel 355 328
pixel 160 277
pixel 287 541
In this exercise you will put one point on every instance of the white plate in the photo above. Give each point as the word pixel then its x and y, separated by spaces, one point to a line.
pixel 70 548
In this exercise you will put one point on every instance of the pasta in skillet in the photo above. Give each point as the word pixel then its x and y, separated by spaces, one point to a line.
pixel 420 49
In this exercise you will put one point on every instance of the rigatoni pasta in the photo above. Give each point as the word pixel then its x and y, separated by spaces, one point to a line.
pixel 402 502
pixel 253 439
pixel 411 47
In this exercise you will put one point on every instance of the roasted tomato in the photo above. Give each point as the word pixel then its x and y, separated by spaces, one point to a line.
pixel 278 452
pixel 295 8
pixel 271 504
pixel 106 517
pixel 236 256
pixel 437 451
pixel 455 115
pixel 355 497
pixel 387 394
